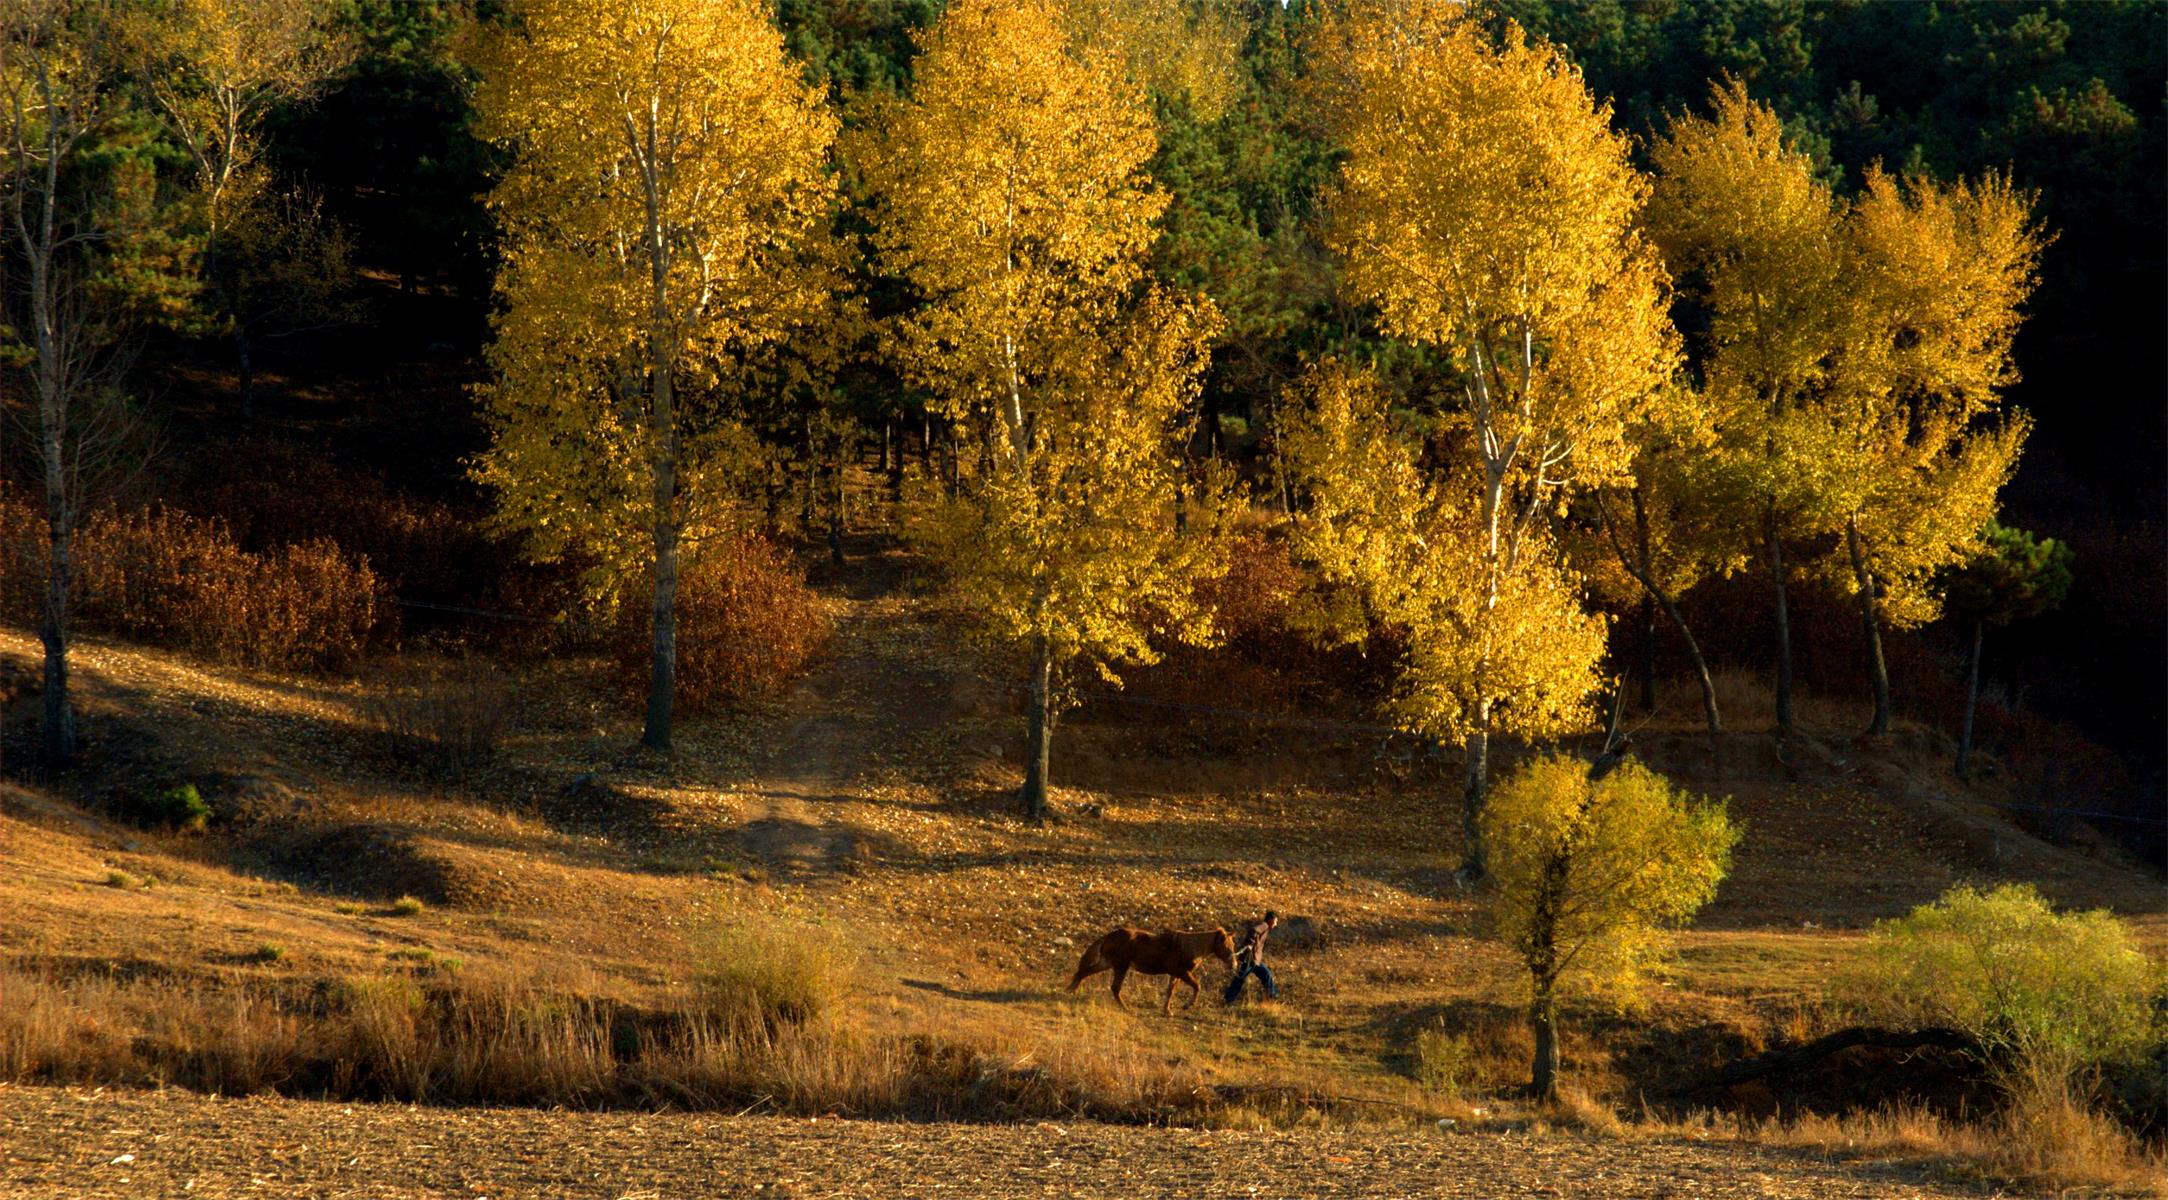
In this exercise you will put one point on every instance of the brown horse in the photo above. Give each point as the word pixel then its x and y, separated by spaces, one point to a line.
pixel 1169 952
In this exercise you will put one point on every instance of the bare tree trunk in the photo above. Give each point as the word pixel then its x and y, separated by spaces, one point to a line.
pixel 1474 791
pixel 1972 698
pixel 1870 620
pixel 1644 574
pixel 1543 1073
pixel 662 435
pixel 1774 547
pixel 837 517
pixel 810 493
pixel 1032 797
pixel 662 675
pixel 58 727
pixel 1648 607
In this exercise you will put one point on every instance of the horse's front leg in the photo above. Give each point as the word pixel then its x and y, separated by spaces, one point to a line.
pixel 1189 977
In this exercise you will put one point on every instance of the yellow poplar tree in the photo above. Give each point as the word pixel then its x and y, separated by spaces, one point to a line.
pixel 1486 208
pixel 1922 448
pixel 1014 201
pixel 1590 869
pixel 1854 357
pixel 664 218
pixel 1755 237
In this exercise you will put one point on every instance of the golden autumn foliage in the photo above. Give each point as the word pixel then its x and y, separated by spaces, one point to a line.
pixel 1854 355
pixel 1014 200
pixel 1922 447
pixel 1589 873
pixel 1409 546
pixel 664 219
pixel 1487 209
pixel 1186 48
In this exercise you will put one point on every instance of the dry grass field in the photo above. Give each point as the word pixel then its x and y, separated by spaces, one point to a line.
pixel 572 924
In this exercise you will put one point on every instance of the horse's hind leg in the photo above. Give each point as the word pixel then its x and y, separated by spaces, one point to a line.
pixel 1167 1006
pixel 1120 973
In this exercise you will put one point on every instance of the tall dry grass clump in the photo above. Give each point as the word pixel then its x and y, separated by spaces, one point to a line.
pixel 747 625
pixel 761 976
pixel 763 1026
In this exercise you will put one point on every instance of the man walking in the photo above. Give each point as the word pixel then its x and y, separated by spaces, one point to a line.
pixel 1250 959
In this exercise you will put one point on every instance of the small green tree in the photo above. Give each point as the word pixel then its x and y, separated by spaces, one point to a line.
pixel 2013 576
pixel 2032 986
pixel 1590 868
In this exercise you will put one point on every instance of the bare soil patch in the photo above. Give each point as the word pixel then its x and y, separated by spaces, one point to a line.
pixel 74 1143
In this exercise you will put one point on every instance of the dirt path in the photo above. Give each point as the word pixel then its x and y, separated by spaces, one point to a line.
pixel 870 691
pixel 73 1143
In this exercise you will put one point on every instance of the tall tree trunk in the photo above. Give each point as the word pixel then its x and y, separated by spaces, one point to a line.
pixel 1645 650
pixel 662 436
pixel 57 731
pixel 811 495
pixel 1773 545
pixel 1474 791
pixel 1543 1073
pixel 837 517
pixel 1972 698
pixel 892 464
pixel 1032 796
pixel 662 675
pixel 58 727
pixel 1870 619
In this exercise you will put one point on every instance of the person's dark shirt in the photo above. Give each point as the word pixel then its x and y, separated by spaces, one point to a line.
pixel 1253 941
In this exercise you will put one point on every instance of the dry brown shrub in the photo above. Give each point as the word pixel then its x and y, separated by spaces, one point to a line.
pixel 747 625
pixel 160 576
pixel 272 492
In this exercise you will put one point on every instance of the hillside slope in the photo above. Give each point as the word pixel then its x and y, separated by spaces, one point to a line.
pixel 874 802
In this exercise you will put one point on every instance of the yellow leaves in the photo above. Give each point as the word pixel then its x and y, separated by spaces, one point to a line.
pixel 1014 199
pixel 1943 269
pixel 1485 207
pixel 665 223
pixel 1494 640
pixel 1853 351
pixel 1520 656
pixel 1186 48
pixel 1588 874
pixel 1485 199
pixel 1013 196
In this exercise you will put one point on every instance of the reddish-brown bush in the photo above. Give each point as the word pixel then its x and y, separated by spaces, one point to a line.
pixel 161 576
pixel 747 624
pixel 271 492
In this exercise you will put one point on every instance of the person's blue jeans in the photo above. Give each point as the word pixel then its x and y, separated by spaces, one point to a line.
pixel 1242 975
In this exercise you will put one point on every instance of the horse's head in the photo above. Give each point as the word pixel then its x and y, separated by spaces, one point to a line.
pixel 1223 946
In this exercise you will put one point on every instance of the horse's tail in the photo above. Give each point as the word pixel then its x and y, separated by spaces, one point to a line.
pixel 1091 964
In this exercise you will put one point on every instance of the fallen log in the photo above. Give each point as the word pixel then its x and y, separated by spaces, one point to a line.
pixel 1793 1057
